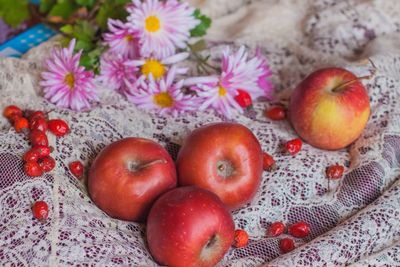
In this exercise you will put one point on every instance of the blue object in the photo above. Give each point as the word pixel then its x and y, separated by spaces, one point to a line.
pixel 24 41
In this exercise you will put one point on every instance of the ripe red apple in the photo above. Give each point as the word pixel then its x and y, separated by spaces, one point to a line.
pixel 128 175
pixel 225 158
pixel 189 226
pixel 330 108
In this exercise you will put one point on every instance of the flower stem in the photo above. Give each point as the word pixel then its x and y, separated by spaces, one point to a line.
pixel 203 64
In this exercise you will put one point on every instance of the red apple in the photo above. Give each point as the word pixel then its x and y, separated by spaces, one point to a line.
pixel 189 226
pixel 225 158
pixel 128 175
pixel 330 108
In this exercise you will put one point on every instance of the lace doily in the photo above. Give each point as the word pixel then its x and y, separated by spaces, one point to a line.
pixel 356 222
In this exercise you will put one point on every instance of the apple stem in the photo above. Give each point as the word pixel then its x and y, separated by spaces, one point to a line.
pixel 137 167
pixel 366 77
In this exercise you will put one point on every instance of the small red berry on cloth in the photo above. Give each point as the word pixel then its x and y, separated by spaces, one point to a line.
pixel 31 155
pixel 275 113
pixel 38 124
pixel 286 244
pixel 40 210
pixel 243 99
pixel 299 229
pixel 37 115
pixel 47 164
pixel 276 229
pixel 76 169
pixel 268 162
pixel 42 151
pixel 241 238
pixel 334 171
pixel 293 146
pixel 32 169
pixel 20 124
pixel 38 137
pixel 58 127
pixel 11 111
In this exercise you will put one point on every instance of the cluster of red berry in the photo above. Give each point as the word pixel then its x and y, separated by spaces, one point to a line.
pixel 38 159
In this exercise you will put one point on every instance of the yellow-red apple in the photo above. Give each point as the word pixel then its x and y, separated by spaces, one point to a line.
pixel 128 175
pixel 330 108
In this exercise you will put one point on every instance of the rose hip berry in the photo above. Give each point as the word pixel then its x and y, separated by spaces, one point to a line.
pixel 37 115
pixel 268 162
pixel 334 171
pixel 276 113
pixel 293 146
pixel 241 238
pixel 276 229
pixel 20 124
pixel 243 99
pixel 32 169
pixel 38 137
pixel 38 124
pixel 76 169
pixel 40 210
pixel 41 151
pixel 299 229
pixel 47 163
pixel 58 127
pixel 31 155
pixel 286 245
pixel 11 111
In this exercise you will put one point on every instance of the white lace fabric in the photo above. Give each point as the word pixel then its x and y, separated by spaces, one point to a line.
pixel 356 222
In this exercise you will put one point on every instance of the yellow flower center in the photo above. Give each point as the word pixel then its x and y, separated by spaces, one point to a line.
pixel 155 67
pixel 128 38
pixel 152 24
pixel 221 91
pixel 164 100
pixel 70 80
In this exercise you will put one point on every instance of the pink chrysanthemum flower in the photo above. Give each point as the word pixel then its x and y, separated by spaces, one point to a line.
pixel 237 74
pixel 65 83
pixel 162 26
pixel 165 95
pixel 121 39
pixel 115 73
pixel 157 67
pixel 263 81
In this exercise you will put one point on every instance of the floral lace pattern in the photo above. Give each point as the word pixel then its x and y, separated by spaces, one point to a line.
pixel 354 221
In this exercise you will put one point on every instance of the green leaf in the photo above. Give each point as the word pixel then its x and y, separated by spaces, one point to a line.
pixel 201 29
pixel 199 46
pixel 84 45
pixel 67 29
pixel 111 9
pixel 14 12
pixel 86 3
pixel 46 5
pixel 63 8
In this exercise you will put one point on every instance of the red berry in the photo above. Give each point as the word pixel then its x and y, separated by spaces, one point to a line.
pixel 38 137
pixel 243 99
pixel 47 164
pixel 76 168
pixel 38 124
pixel 31 155
pixel 32 169
pixel 11 111
pixel 276 229
pixel 20 123
pixel 334 171
pixel 299 229
pixel 37 115
pixel 286 245
pixel 40 210
pixel 241 238
pixel 58 127
pixel 293 146
pixel 268 162
pixel 276 113
pixel 41 151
